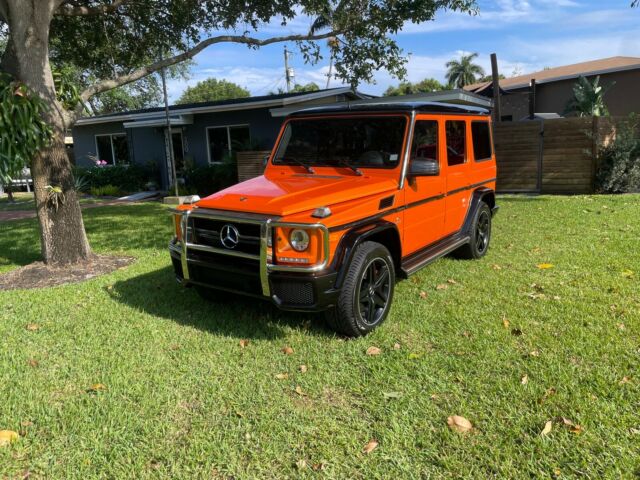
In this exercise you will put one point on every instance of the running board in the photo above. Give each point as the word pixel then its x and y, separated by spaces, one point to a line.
pixel 421 259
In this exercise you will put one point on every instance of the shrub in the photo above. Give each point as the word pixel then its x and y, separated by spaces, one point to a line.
pixel 105 191
pixel 205 180
pixel 619 161
pixel 127 178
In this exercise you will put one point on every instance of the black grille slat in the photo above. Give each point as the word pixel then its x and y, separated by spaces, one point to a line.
pixel 207 232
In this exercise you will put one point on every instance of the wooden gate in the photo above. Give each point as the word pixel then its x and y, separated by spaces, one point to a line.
pixel 546 156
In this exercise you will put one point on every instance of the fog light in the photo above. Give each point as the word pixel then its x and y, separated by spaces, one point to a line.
pixel 293 260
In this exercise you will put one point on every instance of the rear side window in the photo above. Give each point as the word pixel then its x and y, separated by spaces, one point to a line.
pixel 456 132
pixel 481 141
pixel 425 140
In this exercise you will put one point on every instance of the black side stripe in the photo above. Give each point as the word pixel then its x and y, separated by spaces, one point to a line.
pixel 380 215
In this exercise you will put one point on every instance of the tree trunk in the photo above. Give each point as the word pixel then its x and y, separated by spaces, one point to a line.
pixel 62 233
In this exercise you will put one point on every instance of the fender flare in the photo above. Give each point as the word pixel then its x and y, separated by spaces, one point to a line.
pixel 355 237
pixel 479 195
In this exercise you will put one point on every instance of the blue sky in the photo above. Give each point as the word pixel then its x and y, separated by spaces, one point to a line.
pixel 527 35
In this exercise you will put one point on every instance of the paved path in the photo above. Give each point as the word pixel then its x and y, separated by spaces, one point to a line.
pixel 21 214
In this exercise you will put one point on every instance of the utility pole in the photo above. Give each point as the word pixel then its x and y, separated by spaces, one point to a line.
pixel 497 108
pixel 288 72
pixel 169 138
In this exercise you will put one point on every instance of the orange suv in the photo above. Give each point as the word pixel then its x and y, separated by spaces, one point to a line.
pixel 353 198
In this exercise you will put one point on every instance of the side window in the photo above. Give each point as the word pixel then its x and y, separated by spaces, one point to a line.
pixel 481 141
pixel 456 132
pixel 425 140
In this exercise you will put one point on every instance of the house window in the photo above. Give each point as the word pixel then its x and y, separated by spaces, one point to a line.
pixel 113 148
pixel 223 140
pixel 456 133
pixel 481 141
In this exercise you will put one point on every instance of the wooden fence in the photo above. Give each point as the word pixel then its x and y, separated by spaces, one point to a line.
pixel 550 156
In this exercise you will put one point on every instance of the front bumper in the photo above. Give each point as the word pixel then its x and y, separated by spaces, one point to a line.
pixel 309 289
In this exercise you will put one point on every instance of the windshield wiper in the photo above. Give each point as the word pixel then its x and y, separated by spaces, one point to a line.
pixel 308 168
pixel 353 168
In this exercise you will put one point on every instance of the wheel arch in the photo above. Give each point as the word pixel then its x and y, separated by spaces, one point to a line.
pixel 482 194
pixel 383 232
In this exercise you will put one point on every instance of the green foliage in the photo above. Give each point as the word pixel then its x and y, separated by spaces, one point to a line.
pixel 619 161
pixel 489 78
pixel 66 85
pixel 588 98
pixel 211 90
pixel 463 72
pixel 22 130
pixel 407 88
pixel 308 87
pixel 208 179
pixel 105 191
pixel 127 178
pixel 104 45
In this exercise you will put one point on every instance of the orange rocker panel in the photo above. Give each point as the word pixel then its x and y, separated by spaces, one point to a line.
pixel 353 198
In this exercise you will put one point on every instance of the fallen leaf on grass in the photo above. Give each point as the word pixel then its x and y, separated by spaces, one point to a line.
pixel 373 351
pixel 303 368
pixel 392 395
pixel 7 437
pixel 244 342
pixel 544 266
pixel 547 429
pixel 301 464
pixel 627 273
pixel 451 281
pixel 459 424
pixel 414 356
pixel 505 323
pixel 621 326
pixel 624 380
pixel 287 350
pixel 524 380
pixel 299 391
pixel 496 267
pixel 534 353
pixel 423 294
pixel 96 387
pixel 318 466
pixel 370 447
pixel 282 376
pixel 32 362
pixel 634 431
pixel 397 346
pixel 550 392
pixel 32 327
pixel 442 286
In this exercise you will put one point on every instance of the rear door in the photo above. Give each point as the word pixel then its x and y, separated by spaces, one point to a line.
pixel 457 165
pixel 424 196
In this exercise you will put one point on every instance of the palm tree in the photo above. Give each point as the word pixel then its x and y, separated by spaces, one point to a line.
pixel 463 72
pixel 588 98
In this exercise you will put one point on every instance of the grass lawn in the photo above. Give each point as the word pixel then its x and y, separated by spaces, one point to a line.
pixel 24 201
pixel 182 399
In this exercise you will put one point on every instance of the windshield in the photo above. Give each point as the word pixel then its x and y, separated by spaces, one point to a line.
pixel 368 142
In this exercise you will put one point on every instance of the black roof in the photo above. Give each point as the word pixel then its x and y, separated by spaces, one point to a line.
pixel 395 106
pixel 232 101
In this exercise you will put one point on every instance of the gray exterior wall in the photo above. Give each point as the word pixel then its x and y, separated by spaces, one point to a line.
pixel 621 99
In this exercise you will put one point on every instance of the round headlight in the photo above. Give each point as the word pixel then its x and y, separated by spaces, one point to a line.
pixel 299 240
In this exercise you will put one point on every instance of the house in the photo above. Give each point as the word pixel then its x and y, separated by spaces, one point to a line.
pixel 554 88
pixel 202 133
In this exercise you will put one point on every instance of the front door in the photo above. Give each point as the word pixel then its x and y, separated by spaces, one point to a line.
pixel 178 149
pixel 424 196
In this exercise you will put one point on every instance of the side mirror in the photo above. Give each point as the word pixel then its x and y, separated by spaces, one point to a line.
pixel 424 167
pixel 265 160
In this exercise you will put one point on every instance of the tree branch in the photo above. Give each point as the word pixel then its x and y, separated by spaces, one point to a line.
pixel 104 85
pixel 83 10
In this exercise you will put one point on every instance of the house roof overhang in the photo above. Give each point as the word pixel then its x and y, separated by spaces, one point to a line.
pixel 152 115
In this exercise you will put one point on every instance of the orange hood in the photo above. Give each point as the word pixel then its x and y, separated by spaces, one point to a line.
pixel 289 194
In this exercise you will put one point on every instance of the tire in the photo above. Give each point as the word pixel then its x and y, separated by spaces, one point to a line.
pixel 362 307
pixel 480 235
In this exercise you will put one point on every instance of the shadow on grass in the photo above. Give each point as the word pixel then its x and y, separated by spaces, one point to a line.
pixel 158 294
pixel 19 242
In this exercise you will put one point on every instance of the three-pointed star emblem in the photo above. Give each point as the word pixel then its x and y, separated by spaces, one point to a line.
pixel 229 236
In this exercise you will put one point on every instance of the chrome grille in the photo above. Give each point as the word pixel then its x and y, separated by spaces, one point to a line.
pixel 206 232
